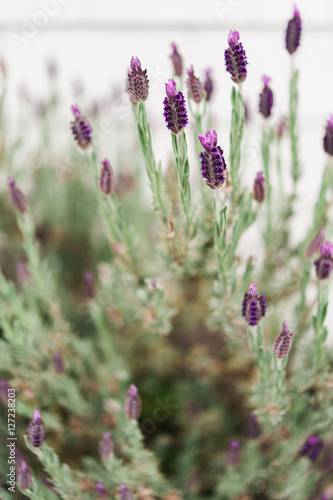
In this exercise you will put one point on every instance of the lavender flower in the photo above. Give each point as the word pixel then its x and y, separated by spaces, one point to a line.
pixel 283 342
pixel 124 493
pixel 16 197
pixel 177 60
pixel 208 85
pixel 235 58
pixel 81 129
pixel 328 139
pixel 58 363
pixel 132 403
pixel 24 475
pixel 213 166
pixel 233 453
pixel 137 81
pixel 106 446
pixel 106 178
pixel 4 391
pixel 266 99
pixel 175 113
pixel 314 245
pixel 195 86
pixel 312 447
pixel 101 491
pixel 259 188
pixel 36 430
pixel 293 32
pixel 254 307
pixel 324 264
pixel 253 428
pixel 88 285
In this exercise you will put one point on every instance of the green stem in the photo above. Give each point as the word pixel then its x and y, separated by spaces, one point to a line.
pixel 236 135
pixel 154 173
pixel 293 105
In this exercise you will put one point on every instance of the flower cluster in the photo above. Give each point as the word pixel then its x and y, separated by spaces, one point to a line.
pixel 283 342
pixel 175 113
pixel 266 99
pixel 137 81
pixel 213 166
pixel 259 188
pixel 254 307
pixel 324 264
pixel 81 129
pixel 132 403
pixel 16 197
pixel 177 60
pixel 36 431
pixel 235 58
pixel 293 32
pixel 195 86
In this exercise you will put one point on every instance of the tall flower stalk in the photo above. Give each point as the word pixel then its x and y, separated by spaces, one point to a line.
pixel 175 115
pixel 138 88
pixel 293 37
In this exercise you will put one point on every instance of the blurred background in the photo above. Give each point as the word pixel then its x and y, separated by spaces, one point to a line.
pixel 88 45
pixel 57 52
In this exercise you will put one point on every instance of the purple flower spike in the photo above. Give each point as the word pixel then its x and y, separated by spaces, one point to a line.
pixel 283 342
pixel 259 188
pixel 137 81
pixel 235 58
pixel 177 60
pixel 266 99
pixel 253 428
pixel 233 457
pixel 124 493
pixel 4 391
pixel 314 245
pixel 293 32
pixel 88 285
pixel 324 264
pixel 132 403
pixel 254 307
pixel 106 178
pixel 213 166
pixel 58 363
pixel 208 85
pixel 36 430
pixel 175 113
pixel 106 447
pixel 81 129
pixel 328 139
pixel 101 491
pixel 195 86
pixel 16 197
pixel 24 476
pixel 312 447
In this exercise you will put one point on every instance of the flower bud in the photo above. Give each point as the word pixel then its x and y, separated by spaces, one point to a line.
pixel 132 403
pixel 254 307
pixel 36 430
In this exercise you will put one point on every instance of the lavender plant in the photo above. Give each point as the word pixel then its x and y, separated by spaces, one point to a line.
pixel 145 362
